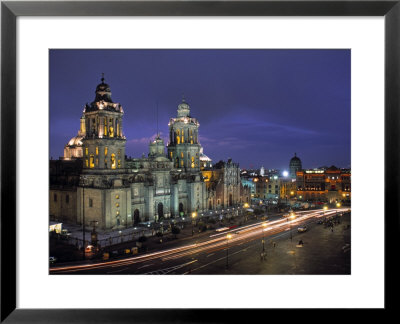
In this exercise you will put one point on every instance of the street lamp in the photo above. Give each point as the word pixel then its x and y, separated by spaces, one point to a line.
pixel 264 225
pixel 325 208
pixel 194 214
pixel 291 217
pixel 228 237
pixel 83 216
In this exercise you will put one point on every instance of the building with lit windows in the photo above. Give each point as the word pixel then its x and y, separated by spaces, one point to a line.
pixel 95 182
pixel 224 186
pixel 330 185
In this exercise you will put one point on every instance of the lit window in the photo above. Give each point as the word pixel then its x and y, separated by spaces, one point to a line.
pixel 87 163
pixel 117 205
pixel 105 151
pixel 91 161
pixel 119 164
pixel 97 150
pixel 86 151
pixel 116 196
pixel 113 163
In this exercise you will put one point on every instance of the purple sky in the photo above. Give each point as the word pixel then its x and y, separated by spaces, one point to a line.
pixel 258 107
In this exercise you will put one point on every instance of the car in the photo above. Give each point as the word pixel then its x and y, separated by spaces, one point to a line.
pixel 52 259
pixel 302 229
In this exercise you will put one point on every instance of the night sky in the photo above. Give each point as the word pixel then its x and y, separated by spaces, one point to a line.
pixel 257 107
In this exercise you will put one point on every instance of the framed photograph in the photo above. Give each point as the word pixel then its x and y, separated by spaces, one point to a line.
pixel 116 203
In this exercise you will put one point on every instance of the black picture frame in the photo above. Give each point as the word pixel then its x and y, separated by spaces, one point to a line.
pixel 10 10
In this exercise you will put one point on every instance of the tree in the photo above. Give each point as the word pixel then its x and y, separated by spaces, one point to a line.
pixel 142 239
pixel 175 230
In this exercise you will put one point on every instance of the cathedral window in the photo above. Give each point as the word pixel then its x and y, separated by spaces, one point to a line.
pixel 111 128
pixel 119 164
pixel 97 162
pixel 116 196
pixel 116 204
pixel 105 151
pixel 105 163
pixel 91 161
pixel 86 151
pixel 113 162
pixel 90 202
pixel 170 154
pixel 87 163
pixel 105 126
pixel 97 150
pixel 178 138
pixel 182 163
pixel 192 162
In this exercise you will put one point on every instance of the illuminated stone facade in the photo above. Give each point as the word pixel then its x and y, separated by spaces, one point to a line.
pixel 224 186
pixel 94 181
pixel 329 185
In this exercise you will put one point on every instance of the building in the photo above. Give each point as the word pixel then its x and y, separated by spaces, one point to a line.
pixel 224 186
pixel 294 166
pixel 95 182
pixel 329 185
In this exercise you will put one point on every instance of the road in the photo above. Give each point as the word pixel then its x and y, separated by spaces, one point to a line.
pixel 209 254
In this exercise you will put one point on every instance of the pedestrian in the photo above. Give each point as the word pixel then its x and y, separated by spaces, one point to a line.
pixel 274 244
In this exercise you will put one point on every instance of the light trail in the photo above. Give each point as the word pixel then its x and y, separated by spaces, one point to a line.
pixel 217 242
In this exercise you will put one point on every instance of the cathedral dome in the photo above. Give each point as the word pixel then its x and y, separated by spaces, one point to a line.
pixel 103 92
pixel 183 109
pixel 294 165
pixel 103 87
pixel 75 141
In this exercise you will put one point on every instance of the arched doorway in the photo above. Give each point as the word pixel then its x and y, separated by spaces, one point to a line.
pixel 160 209
pixel 209 205
pixel 136 217
pixel 230 200
pixel 181 209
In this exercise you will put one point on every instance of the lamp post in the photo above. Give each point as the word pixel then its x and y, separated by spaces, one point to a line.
pixel 194 214
pixel 264 225
pixel 291 217
pixel 325 208
pixel 83 216
pixel 228 237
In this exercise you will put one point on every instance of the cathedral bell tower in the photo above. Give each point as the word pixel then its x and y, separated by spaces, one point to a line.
pixel 104 142
pixel 183 146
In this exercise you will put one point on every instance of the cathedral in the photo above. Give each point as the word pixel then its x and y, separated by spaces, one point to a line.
pixel 96 182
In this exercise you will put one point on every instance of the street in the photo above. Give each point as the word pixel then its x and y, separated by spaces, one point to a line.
pixel 238 251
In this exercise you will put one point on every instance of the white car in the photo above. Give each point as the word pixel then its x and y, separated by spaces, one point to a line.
pixel 302 229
